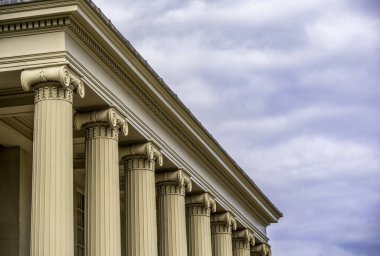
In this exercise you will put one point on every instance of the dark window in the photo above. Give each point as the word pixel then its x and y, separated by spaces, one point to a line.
pixel 80 224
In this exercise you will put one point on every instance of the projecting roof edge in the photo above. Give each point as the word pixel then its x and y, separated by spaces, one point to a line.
pixel 178 100
pixel 211 139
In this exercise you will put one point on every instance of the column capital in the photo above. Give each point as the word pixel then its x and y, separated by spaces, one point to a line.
pixel 243 238
pixel 226 220
pixel 200 202
pixel 62 75
pixel 261 250
pixel 144 155
pixel 177 178
pixel 104 118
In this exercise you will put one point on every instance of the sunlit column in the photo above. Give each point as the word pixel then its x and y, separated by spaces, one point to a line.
pixel 198 209
pixel 102 193
pixel 222 225
pixel 52 224
pixel 171 188
pixel 242 240
pixel 140 198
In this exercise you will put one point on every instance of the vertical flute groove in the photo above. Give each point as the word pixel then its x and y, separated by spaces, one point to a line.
pixel 171 220
pixel 198 231
pixel 241 248
pixel 141 230
pixel 221 239
pixel 102 192
pixel 52 190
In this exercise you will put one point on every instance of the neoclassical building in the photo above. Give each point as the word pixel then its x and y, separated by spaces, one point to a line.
pixel 98 157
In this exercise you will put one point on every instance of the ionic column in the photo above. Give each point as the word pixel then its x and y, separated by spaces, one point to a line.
pixel 198 209
pixel 242 240
pixel 171 189
pixel 140 198
pixel 52 225
pixel 222 225
pixel 102 193
pixel 261 250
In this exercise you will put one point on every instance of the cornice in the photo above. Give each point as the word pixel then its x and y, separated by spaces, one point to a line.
pixel 67 20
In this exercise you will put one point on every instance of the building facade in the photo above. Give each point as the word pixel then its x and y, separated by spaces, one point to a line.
pixel 99 157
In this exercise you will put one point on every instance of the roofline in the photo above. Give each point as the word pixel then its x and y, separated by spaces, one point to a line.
pixel 176 98
pixel 145 64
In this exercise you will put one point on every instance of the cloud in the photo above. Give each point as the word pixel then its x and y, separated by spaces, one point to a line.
pixel 326 189
pixel 291 90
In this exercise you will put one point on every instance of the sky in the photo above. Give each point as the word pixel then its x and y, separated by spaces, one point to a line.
pixel 291 89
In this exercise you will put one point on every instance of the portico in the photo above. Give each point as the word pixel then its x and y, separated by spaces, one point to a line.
pixel 85 117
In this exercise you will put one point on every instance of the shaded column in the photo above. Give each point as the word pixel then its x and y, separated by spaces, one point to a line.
pixel 242 240
pixel 52 224
pixel 140 198
pixel 102 193
pixel 261 250
pixel 171 189
pixel 198 209
pixel 222 225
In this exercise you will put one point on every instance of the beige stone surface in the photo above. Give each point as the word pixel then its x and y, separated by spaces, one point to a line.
pixel 222 225
pixel 198 210
pixel 74 33
pixel 242 240
pixel 140 198
pixel 261 250
pixel 52 182
pixel 171 188
pixel 102 193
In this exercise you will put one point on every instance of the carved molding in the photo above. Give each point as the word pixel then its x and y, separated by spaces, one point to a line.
pixel 200 201
pixel 102 132
pixel 144 155
pixel 41 77
pixel 261 250
pixel 226 219
pixel 179 178
pixel 107 117
pixel 53 93
pixel 245 235
pixel 42 23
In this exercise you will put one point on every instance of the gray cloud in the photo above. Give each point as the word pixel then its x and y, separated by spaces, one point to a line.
pixel 291 89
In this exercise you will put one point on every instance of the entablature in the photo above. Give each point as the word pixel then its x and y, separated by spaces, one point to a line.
pixel 83 24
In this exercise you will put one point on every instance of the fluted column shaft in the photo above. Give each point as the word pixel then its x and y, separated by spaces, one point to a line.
pixel 52 222
pixel 102 230
pixel 198 231
pixel 198 224
pixel 222 225
pixel 221 240
pixel 52 182
pixel 241 248
pixel 242 240
pixel 102 221
pixel 140 209
pixel 140 199
pixel 171 187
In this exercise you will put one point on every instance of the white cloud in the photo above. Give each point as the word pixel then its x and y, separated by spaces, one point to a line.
pixel 291 89
pixel 343 31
